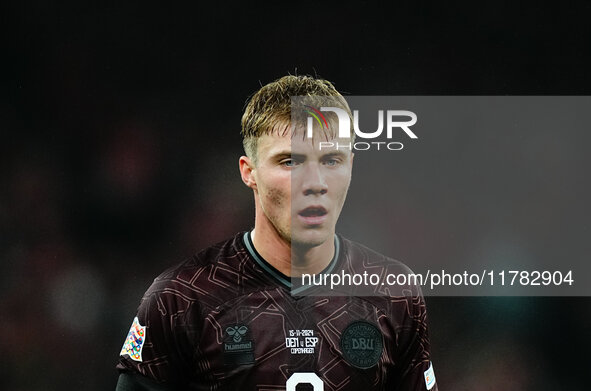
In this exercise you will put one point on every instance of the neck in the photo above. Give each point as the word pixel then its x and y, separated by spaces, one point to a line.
pixel 291 260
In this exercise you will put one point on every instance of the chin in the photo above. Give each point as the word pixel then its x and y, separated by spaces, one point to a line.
pixel 309 239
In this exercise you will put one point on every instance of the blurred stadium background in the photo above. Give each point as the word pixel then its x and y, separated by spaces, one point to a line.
pixel 120 137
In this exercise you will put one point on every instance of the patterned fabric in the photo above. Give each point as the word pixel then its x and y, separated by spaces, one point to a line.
pixel 225 320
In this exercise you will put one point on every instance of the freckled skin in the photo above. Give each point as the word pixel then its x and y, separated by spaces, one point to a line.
pixel 284 191
pixel 277 200
pixel 292 174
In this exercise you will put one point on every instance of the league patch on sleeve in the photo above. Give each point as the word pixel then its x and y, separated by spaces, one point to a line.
pixel 429 377
pixel 134 343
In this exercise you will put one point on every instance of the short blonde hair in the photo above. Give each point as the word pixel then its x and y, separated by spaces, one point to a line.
pixel 269 109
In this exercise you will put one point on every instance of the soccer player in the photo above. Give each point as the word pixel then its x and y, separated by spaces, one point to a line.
pixel 228 319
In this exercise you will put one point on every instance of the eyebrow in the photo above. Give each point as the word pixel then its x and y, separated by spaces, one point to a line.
pixel 287 154
pixel 334 153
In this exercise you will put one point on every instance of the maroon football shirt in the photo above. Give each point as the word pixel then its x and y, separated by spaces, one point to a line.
pixel 225 319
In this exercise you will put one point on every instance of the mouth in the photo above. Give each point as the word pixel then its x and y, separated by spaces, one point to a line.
pixel 313 215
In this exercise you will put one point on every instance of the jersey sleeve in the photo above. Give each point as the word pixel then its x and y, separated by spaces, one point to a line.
pixel 158 345
pixel 135 382
pixel 413 362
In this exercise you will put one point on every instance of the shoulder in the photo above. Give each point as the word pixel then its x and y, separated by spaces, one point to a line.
pixel 386 282
pixel 210 276
pixel 226 254
pixel 362 257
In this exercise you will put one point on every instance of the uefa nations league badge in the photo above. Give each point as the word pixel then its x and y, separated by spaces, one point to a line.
pixel 362 344
pixel 134 343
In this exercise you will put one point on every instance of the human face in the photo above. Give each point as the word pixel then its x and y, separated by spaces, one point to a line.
pixel 301 188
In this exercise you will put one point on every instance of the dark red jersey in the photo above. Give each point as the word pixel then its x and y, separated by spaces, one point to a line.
pixel 225 319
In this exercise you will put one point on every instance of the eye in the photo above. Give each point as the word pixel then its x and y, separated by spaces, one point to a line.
pixel 332 161
pixel 289 162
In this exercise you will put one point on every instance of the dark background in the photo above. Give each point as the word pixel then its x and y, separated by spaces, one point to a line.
pixel 120 138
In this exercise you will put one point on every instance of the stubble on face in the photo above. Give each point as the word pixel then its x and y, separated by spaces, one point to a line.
pixel 280 204
pixel 276 195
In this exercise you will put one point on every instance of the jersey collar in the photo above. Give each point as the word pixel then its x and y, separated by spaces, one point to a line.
pixel 276 274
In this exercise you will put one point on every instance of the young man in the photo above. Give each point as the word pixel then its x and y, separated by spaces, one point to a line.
pixel 227 319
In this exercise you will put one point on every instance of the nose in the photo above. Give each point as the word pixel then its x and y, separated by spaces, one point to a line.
pixel 314 182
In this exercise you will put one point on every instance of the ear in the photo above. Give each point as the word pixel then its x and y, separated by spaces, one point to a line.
pixel 247 172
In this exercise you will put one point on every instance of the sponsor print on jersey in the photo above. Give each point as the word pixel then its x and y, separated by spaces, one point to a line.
pixel 429 377
pixel 362 344
pixel 238 346
pixel 301 341
pixel 134 343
